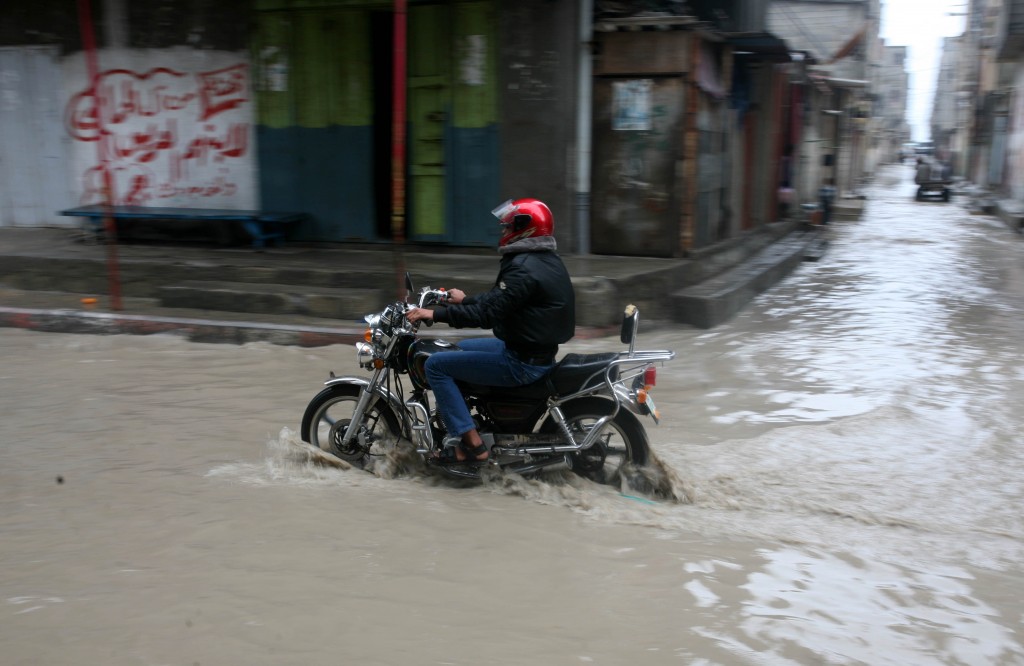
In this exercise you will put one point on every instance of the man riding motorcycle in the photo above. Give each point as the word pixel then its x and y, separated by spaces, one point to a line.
pixel 531 309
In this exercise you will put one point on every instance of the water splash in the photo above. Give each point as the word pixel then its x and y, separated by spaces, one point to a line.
pixel 289 461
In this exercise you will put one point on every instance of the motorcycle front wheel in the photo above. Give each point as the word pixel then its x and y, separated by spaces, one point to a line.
pixel 622 444
pixel 329 416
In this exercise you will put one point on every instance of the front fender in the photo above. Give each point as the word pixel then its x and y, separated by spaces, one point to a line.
pixel 390 398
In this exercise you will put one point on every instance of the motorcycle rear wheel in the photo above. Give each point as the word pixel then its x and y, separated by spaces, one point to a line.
pixel 329 415
pixel 623 442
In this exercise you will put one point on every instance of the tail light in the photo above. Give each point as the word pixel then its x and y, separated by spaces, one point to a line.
pixel 644 383
pixel 650 377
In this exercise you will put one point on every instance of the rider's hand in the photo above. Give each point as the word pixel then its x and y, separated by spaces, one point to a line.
pixel 419 314
pixel 456 296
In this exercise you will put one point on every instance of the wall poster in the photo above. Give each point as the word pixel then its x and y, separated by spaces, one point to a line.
pixel 631 104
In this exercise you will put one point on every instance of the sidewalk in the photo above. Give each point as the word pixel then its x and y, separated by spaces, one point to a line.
pixel 1011 211
pixel 980 200
pixel 59 280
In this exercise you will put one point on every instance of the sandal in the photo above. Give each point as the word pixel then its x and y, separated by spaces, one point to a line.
pixel 473 453
pixel 447 456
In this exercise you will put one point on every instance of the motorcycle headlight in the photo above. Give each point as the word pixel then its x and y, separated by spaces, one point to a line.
pixel 388 318
pixel 364 355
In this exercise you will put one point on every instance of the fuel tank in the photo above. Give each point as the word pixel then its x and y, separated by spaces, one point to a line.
pixel 417 356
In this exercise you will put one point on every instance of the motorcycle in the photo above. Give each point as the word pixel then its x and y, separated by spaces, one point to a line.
pixel 583 416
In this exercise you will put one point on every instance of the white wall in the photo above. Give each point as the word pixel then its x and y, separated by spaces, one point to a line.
pixel 174 128
pixel 34 182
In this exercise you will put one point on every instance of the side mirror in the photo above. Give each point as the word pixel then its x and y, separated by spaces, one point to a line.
pixel 408 286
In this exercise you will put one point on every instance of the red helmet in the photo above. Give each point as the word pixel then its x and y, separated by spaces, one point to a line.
pixel 524 218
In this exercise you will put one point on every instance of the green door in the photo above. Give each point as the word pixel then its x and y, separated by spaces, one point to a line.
pixel 323 80
pixel 453 122
pixel 314 85
pixel 430 90
pixel 473 146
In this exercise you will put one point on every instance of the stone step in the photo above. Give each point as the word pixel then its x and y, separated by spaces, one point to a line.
pixel 848 210
pixel 718 299
pixel 145 279
pixel 326 302
pixel 312 281
pixel 816 248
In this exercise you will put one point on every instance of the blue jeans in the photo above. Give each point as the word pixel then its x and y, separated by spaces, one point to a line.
pixel 482 361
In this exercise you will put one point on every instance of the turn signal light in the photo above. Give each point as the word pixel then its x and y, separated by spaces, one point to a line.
pixel 641 396
pixel 368 335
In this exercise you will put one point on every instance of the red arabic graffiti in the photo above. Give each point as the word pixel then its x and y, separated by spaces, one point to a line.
pixel 136 186
pixel 222 90
pixel 163 134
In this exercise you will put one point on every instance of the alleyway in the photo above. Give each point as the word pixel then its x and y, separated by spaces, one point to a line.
pixel 848 446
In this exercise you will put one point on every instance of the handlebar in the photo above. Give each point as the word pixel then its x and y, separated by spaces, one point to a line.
pixel 429 297
pixel 432 297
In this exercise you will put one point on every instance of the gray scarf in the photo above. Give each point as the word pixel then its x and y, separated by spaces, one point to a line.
pixel 531 244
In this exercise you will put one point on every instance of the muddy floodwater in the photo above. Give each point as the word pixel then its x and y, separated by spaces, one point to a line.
pixel 848 454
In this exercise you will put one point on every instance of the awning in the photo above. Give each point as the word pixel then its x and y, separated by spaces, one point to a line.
pixel 709 78
pixel 849 46
pixel 758 46
pixel 836 82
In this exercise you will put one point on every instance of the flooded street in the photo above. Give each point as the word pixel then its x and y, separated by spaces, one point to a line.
pixel 848 451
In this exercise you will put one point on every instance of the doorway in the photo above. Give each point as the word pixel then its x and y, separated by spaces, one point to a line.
pixel 382 57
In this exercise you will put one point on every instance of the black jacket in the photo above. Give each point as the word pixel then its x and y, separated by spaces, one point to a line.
pixel 532 306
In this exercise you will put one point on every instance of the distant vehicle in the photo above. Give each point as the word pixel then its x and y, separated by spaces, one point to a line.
pixel 937 189
pixel 925 148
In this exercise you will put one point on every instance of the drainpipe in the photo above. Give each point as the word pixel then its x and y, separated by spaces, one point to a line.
pixel 584 101
pixel 398 147
pixel 398 112
pixel 85 27
pixel 116 25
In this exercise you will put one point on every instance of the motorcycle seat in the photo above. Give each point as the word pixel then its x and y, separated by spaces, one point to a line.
pixel 569 374
pixel 566 377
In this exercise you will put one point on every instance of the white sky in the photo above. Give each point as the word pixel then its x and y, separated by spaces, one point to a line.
pixel 921 25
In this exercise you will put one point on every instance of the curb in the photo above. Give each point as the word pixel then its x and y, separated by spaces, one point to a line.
pixel 195 330
pixel 217 331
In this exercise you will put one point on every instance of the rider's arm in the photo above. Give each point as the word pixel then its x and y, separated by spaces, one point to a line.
pixel 419 314
pixel 512 291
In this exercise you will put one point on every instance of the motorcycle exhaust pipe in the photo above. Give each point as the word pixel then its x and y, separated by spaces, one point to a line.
pixel 549 464
pixel 538 450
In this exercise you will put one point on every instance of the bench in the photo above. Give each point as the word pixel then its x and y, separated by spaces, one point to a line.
pixel 260 225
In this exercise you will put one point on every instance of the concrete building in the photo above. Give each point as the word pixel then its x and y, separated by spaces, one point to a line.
pixel 1008 106
pixel 949 107
pixel 841 40
pixel 890 104
pixel 290 105
pixel 978 116
pixel 990 101
pixel 653 128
